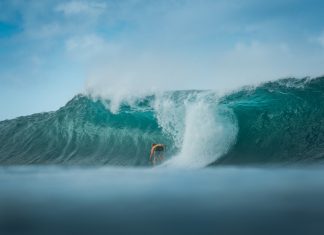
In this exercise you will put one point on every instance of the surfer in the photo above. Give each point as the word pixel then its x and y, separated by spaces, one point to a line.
pixel 157 151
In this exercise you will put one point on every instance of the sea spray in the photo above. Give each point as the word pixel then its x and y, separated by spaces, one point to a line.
pixel 202 131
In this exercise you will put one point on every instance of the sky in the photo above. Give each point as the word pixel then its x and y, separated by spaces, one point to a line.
pixel 51 50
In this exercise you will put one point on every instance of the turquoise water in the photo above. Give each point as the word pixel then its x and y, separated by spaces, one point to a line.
pixel 279 122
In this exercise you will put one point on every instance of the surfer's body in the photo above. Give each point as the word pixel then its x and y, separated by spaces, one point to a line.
pixel 156 155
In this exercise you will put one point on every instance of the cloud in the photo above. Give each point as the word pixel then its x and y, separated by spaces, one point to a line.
pixel 81 7
pixel 136 45
pixel 90 49
pixel 45 31
pixel 85 43
pixel 320 39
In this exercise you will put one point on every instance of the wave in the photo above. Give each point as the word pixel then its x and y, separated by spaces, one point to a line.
pixel 279 122
pixel 276 122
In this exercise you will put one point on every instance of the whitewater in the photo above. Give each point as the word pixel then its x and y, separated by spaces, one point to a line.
pixel 278 122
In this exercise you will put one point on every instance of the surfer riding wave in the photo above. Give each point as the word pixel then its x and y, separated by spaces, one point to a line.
pixel 157 152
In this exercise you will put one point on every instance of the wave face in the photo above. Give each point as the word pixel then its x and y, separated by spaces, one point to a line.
pixel 276 122
pixel 279 122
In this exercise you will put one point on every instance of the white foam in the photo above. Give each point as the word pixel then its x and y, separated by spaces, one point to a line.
pixel 118 96
pixel 202 131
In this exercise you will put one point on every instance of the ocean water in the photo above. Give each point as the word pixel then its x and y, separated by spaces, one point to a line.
pixel 112 200
pixel 247 162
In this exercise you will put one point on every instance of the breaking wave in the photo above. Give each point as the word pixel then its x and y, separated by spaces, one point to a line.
pixel 276 122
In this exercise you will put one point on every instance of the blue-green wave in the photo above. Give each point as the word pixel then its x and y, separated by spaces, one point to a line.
pixel 276 122
pixel 280 121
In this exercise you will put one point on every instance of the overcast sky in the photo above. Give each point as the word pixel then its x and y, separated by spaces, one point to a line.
pixel 51 50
